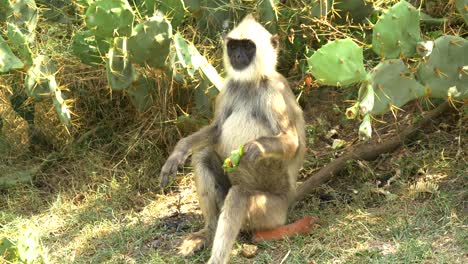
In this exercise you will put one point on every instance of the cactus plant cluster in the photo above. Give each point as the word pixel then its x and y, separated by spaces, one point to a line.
pixel 21 18
pixel 112 38
pixel 391 84
pixel 342 56
pixel 397 32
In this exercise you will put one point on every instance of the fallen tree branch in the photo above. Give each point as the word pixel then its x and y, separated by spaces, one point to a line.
pixel 367 151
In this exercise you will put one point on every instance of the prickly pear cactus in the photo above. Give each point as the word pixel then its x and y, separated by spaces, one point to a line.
pixel 24 16
pixel 393 84
pixel 365 129
pixel 84 46
pixel 446 67
pixel 38 78
pixel 357 10
pixel 8 60
pixel 366 97
pixel 185 52
pixel 173 9
pixel 60 105
pixel 19 43
pixel 192 60
pixel 5 10
pixel 120 72
pixel 320 8
pixel 110 18
pixel 397 32
pixel 150 43
pixel 141 93
pixel 338 63
pixel 462 7
pixel 268 15
pixel 193 6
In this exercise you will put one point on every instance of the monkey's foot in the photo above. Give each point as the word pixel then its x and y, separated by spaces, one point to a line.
pixel 302 226
pixel 195 242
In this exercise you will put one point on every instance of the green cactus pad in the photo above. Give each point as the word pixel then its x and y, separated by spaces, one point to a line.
pixel 185 52
pixel 397 32
pixel 175 10
pixel 357 10
pixel 110 18
pixel 5 10
pixel 24 16
pixel 38 78
pixel 19 43
pixel 321 8
pixel 193 6
pixel 462 7
pixel 60 106
pixel 8 60
pixel 393 84
pixel 84 46
pixel 446 67
pixel 120 72
pixel 141 93
pixel 150 43
pixel 365 129
pixel 268 15
pixel 366 98
pixel 338 63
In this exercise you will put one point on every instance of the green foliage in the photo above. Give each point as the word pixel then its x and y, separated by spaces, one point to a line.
pixel 193 6
pixel 5 10
pixel 357 10
pixel 24 16
pixel 8 250
pixel 268 15
pixel 393 84
pixel 110 18
pixel 185 52
pixel 59 103
pixel 120 72
pixel 462 7
pixel 20 43
pixel 338 63
pixel 397 32
pixel 231 163
pixel 150 43
pixel 38 78
pixel 445 68
pixel 8 60
pixel 365 129
pixel 84 46
pixel 175 10
pixel 321 8
pixel 141 93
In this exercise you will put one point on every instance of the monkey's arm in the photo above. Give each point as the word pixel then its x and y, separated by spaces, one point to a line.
pixel 184 148
pixel 282 146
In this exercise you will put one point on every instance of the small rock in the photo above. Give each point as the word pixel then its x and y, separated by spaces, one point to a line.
pixel 249 251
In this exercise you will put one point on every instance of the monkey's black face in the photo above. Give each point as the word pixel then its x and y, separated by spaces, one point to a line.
pixel 241 52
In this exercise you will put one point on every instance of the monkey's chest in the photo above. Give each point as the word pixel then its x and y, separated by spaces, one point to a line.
pixel 238 129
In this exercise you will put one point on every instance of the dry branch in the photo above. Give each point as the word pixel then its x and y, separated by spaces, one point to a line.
pixel 367 151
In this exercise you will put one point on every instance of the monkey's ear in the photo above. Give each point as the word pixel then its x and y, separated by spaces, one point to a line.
pixel 275 41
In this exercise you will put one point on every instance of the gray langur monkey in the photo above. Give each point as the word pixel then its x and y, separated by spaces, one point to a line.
pixel 256 108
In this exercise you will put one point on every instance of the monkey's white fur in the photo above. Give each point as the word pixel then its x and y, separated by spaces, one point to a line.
pixel 264 62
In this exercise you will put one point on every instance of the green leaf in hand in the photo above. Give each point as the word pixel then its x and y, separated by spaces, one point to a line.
pixel 232 162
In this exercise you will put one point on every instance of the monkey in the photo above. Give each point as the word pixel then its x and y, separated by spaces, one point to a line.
pixel 257 109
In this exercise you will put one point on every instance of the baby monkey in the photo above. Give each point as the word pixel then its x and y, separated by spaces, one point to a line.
pixel 256 108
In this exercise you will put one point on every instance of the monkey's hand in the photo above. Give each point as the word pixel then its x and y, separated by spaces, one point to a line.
pixel 175 160
pixel 253 151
